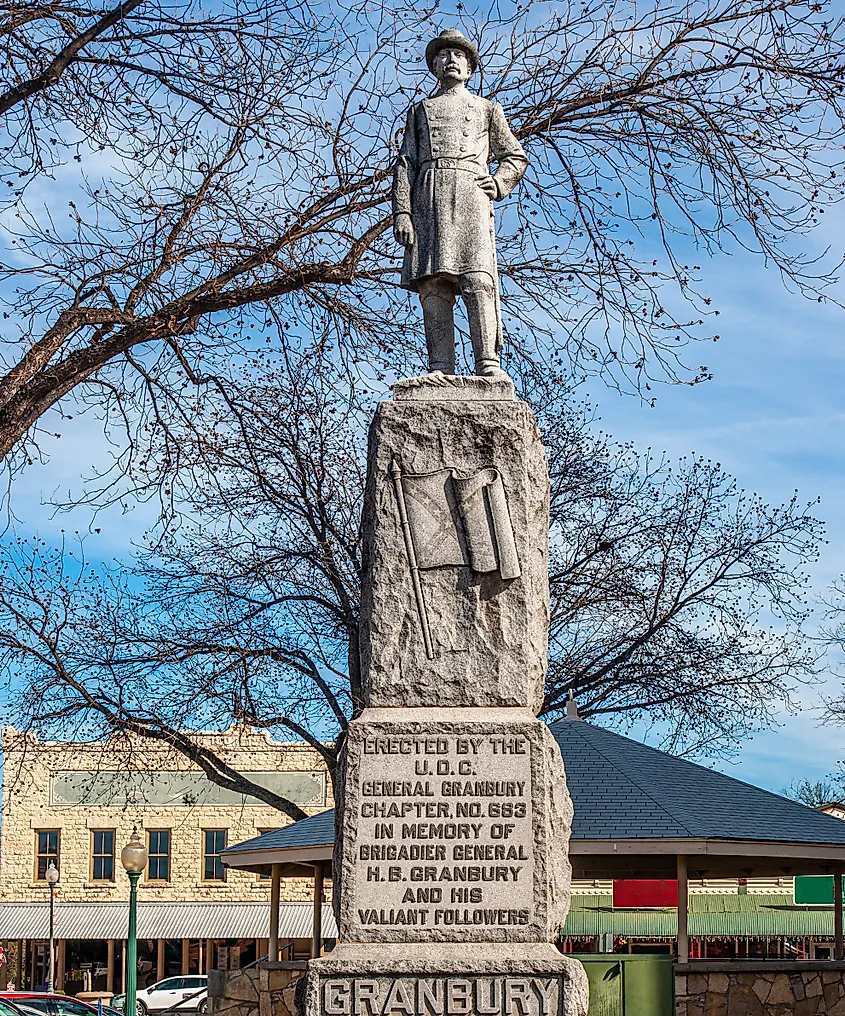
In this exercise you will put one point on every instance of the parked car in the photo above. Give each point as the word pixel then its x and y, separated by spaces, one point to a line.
pixel 191 990
pixel 43 1004
pixel 9 1008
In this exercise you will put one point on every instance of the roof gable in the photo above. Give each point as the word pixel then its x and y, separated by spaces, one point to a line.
pixel 627 790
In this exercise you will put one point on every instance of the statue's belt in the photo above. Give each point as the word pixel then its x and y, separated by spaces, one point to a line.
pixel 464 165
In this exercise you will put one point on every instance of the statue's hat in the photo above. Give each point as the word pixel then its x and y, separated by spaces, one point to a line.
pixel 451 37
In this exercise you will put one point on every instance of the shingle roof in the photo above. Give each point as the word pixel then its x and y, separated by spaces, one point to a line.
pixel 315 831
pixel 624 790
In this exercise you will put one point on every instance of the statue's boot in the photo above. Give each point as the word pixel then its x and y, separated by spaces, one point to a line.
pixel 479 296
pixel 437 296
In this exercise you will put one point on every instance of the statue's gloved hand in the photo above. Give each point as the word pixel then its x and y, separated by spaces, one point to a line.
pixel 403 229
pixel 488 185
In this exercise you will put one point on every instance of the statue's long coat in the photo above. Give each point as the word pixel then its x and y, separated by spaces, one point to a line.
pixel 448 142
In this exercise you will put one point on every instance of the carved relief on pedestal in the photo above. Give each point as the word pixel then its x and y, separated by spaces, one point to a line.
pixel 448 519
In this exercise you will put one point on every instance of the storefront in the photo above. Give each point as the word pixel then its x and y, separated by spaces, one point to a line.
pixel 173 938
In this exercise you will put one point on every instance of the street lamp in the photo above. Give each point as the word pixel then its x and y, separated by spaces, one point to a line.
pixel 133 857
pixel 52 876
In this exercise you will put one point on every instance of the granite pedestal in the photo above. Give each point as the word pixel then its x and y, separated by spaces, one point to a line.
pixel 451 868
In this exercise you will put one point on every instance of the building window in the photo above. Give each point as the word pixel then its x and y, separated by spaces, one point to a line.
pixel 214 843
pixel 158 847
pixel 102 855
pixel 268 829
pixel 46 850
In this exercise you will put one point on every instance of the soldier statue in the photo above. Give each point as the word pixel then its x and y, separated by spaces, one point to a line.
pixel 443 197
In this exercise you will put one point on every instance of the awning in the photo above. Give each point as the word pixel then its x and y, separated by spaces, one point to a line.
pixel 713 916
pixel 160 920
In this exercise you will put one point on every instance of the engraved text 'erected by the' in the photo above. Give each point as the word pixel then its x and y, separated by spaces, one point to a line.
pixel 445 835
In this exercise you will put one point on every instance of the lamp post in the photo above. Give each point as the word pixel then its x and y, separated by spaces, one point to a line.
pixel 52 876
pixel 133 857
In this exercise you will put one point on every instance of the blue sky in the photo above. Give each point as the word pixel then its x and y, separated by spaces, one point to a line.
pixel 774 416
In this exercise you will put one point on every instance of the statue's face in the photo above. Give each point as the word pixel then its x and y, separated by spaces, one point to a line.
pixel 451 65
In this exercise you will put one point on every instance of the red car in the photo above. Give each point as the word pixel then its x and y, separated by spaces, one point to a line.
pixel 39 1003
pixel 8 1008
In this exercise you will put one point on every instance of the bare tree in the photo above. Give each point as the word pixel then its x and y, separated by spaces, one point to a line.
pixel 176 180
pixel 832 637
pixel 814 793
pixel 678 598
pixel 244 606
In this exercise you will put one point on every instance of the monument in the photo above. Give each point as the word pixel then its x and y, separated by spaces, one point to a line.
pixel 451 869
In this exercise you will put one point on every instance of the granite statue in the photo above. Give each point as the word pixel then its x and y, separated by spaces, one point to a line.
pixel 443 194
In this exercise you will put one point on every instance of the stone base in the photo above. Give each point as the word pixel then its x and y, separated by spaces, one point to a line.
pixel 439 387
pixel 473 979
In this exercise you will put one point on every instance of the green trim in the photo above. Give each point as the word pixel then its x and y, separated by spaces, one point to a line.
pixel 709 917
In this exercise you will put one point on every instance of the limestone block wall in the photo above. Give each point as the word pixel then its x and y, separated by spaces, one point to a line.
pixel 257 991
pixel 744 991
pixel 263 990
pixel 29 765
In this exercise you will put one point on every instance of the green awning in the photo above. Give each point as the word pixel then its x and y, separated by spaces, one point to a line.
pixel 709 917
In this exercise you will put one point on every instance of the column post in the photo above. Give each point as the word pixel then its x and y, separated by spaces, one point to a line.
pixel 317 926
pixel 275 894
pixel 60 965
pixel 683 910
pixel 186 955
pixel 837 911
pixel 110 965
pixel 160 959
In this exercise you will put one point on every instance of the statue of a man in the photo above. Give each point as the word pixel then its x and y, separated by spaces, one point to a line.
pixel 443 197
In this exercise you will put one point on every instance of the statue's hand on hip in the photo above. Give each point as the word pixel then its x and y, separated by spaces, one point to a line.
pixel 403 229
pixel 488 185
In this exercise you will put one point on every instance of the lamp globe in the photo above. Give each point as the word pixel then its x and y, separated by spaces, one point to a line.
pixel 133 857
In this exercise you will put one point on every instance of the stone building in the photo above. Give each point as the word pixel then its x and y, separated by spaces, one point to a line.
pixel 75 804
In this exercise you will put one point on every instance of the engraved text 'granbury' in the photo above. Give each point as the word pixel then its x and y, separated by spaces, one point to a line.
pixel 441 996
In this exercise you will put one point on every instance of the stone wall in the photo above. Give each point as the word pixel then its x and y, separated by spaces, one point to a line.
pixel 745 989
pixel 266 989
pixel 29 773
pixel 742 990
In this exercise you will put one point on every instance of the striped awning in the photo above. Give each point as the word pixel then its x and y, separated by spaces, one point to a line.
pixel 722 916
pixel 160 920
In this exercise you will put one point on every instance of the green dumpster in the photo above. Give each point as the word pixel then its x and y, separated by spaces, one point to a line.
pixel 630 985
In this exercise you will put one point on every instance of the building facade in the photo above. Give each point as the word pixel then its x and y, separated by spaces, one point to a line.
pixel 74 805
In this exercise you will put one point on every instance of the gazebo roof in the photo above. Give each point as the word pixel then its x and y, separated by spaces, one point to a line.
pixel 623 789
pixel 636 809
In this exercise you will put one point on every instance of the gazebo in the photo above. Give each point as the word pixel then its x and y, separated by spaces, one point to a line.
pixel 640 813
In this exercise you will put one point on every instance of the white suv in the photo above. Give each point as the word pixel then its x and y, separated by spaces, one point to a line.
pixel 165 994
